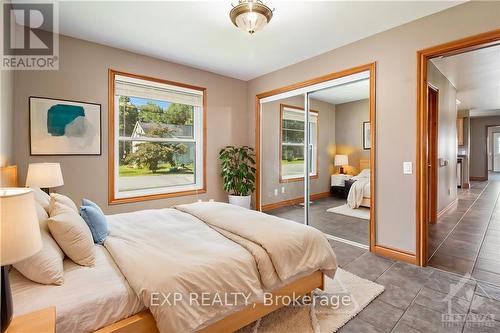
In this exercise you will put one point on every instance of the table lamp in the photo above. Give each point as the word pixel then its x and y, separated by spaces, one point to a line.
pixel 44 176
pixel 341 160
pixel 19 238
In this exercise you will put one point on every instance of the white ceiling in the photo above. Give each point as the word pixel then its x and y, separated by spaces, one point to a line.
pixel 476 75
pixel 344 93
pixel 201 35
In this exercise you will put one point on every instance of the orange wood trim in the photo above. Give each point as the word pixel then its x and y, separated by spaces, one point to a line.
pixel 454 47
pixel 41 321
pixel 447 208
pixel 143 322
pixel 371 67
pixel 395 254
pixel 294 201
pixel 111 141
pixel 316 80
pixel 296 179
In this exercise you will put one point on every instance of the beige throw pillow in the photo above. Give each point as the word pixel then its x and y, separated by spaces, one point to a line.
pixel 63 200
pixel 46 266
pixel 72 234
pixel 42 198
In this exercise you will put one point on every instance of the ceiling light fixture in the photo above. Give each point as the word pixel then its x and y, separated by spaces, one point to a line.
pixel 251 15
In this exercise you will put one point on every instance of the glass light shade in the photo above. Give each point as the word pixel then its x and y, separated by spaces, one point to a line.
pixel 251 22
pixel 341 160
pixel 19 227
pixel 44 175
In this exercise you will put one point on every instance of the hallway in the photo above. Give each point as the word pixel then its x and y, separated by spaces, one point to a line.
pixel 466 239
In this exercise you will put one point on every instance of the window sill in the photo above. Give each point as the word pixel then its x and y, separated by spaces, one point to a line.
pixel 117 201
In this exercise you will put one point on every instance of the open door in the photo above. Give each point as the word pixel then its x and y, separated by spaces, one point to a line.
pixel 496 152
pixel 432 156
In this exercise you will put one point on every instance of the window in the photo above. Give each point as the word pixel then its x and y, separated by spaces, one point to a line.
pixel 292 143
pixel 157 143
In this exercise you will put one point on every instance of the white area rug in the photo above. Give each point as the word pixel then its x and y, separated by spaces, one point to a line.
pixel 356 292
pixel 360 213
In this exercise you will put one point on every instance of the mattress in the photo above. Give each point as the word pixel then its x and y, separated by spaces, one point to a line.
pixel 90 298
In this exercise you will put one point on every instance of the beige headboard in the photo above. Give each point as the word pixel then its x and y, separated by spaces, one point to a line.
pixel 364 164
pixel 8 176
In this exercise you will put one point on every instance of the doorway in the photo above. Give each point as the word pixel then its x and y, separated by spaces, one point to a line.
pixel 462 253
pixel 295 137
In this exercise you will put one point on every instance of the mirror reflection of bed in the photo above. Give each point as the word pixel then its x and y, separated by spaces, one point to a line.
pixel 339 140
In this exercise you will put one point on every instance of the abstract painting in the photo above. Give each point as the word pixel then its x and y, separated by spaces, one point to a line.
pixel 62 127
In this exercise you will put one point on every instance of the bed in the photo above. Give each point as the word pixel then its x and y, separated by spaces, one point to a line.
pixel 360 188
pixel 201 247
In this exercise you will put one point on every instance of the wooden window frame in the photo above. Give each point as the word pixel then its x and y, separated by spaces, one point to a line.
pixel 296 179
pixel 112 199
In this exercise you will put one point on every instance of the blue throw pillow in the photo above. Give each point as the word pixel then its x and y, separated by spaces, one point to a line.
pixel 95 219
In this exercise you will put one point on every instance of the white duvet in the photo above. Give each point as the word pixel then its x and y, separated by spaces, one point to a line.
pixel 210 249
pixel 359 189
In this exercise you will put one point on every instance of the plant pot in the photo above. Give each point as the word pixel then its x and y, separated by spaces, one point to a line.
pixel 242 201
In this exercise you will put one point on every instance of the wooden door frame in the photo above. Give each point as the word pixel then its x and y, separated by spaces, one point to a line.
pixel 451 48
pixel 487 157
pixel 434 150
pixel 371 68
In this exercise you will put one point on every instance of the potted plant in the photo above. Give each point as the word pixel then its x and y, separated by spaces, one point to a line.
pixel 238 174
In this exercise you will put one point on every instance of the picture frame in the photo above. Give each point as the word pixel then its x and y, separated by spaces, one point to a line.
pixel 64 127
pixel 366 135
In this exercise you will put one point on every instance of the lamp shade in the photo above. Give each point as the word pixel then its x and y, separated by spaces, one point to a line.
pixel 341 160
pixel 44 175
pixel 19 228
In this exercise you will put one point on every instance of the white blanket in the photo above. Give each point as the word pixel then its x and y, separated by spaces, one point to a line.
pixel 233 250
pixel 357 192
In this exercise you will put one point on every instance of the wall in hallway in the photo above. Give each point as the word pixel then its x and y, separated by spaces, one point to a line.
pixel 478 153
pixel 447 136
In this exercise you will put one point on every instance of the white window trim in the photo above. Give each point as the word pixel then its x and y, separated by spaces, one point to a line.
pixel 198 121
pixel 313 117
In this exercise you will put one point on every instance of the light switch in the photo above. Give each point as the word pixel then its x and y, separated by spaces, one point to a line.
pixel 407 168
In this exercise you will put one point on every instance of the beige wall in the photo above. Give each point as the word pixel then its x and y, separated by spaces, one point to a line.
pixel 447 136
pixel 478 159
pixel 349 118
pixel 6 118
pixel 83 75
pixel 271 156
pixel 395 53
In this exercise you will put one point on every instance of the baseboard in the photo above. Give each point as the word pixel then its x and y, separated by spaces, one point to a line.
pixel 466 186
pixel 392 253
pixel 478 179
pixel 445 209
pixel 294 201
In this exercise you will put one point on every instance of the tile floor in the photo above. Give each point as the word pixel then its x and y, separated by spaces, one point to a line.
pixel 416 298
pixel 466 240
pixel 350 228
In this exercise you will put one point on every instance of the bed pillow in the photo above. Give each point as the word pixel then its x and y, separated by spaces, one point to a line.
pixel 42 198
pixel 72 234
pixel 46 266
pixel 63 200
pixel 95 219
pixel 365 173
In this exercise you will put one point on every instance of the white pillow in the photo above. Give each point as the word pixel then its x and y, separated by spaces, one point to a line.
pixel 42 198
pixel 63 200
pixel 46 266
pixel 365 173
pixel 72 234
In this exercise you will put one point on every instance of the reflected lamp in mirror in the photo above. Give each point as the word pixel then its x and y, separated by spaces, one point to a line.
pixel 19 238
pixel 341 161
pixel 44 176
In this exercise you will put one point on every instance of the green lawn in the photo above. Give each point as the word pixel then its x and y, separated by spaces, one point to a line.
pixel 165 169
pixel 292 162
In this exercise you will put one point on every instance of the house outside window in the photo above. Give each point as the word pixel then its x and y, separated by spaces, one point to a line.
pixel 158 138
pixel 292 143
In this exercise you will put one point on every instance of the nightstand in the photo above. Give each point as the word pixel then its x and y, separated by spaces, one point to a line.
pixel 41 321
pixel 338 188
